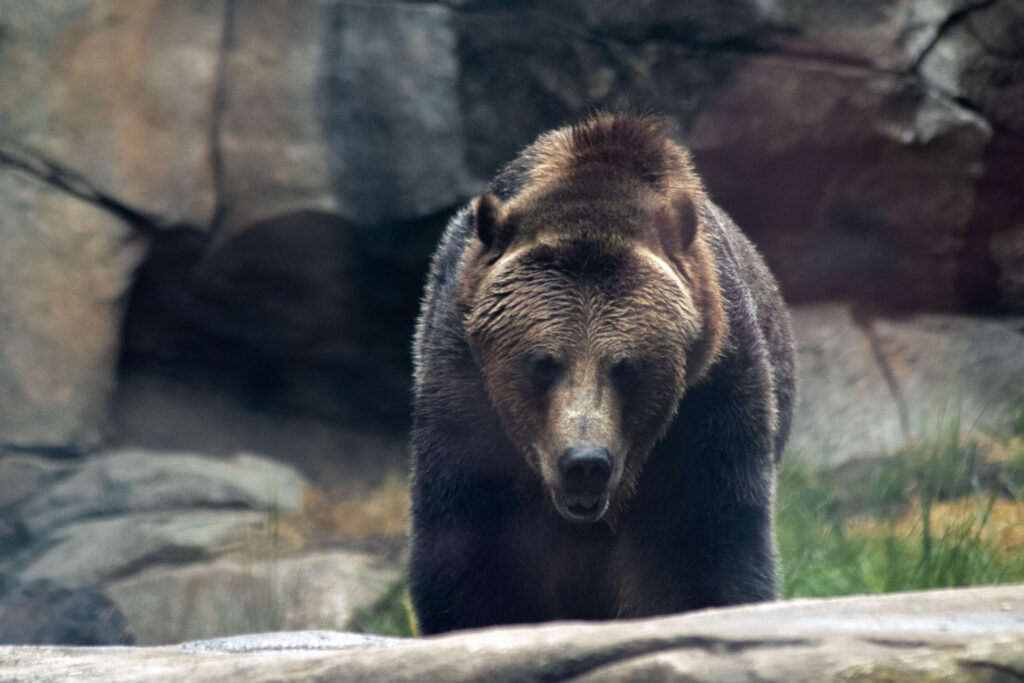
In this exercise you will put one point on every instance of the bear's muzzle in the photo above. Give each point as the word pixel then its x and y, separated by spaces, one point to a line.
pixel 584 472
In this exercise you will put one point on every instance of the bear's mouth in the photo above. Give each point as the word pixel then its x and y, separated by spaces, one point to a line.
pixel 581 508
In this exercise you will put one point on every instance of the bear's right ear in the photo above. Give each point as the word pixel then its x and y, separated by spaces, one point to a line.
pixel 491 227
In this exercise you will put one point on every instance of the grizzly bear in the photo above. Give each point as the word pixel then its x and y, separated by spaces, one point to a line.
pixel 603 389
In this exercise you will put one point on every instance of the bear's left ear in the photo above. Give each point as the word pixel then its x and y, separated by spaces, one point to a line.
pixel 491 227
pixel 677 224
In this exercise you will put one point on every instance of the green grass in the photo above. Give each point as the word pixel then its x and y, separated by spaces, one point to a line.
pixel 391 615
pixel 932 516
pixel 1018 416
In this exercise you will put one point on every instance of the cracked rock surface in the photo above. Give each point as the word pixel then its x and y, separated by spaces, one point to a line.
pixel 65 265
pixel 119 93
pixel 969 635
pixel 872 384
pixel 158 547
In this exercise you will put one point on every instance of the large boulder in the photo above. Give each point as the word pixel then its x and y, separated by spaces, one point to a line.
pixel 321 589
pixel 112 515
pixel 969 635
pixel 65 267
pixel 45 613
pixel 90 552
pixel 168 546
pixel 133 481
pixel 954 372
pixel 847 408
pixel 119 93
pixel 344 108
pixel 870 384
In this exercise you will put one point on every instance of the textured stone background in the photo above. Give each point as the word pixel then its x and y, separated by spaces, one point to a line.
pixel 282 170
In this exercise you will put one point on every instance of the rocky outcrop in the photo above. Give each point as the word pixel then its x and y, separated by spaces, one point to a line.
pixel 156 547
pixel 136 481
pixel 970 635
pixel 318 589
pixel 291 170
pixel 847 406
pixel 871 385
pixel 861 146
pixel 44 612
pixel 118 513
pixel 119 94
pixel 66 266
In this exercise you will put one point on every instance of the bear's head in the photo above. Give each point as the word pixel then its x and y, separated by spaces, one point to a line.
pixel 591 303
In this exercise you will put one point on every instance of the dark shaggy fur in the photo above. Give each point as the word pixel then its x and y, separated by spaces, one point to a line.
pixel 599 250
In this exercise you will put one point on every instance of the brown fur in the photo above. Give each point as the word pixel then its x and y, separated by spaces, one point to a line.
pixel 611 189
pixel 604 160
pixel 597 257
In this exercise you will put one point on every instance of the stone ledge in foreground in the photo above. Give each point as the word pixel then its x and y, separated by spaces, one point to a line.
pixel 964 634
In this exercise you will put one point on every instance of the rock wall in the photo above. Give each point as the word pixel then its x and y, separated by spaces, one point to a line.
pixel 871 385
pixel 289 169
pixel 158 547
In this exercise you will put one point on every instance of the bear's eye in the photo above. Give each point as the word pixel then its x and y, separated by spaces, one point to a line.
pixel 626 375
pixel 544 370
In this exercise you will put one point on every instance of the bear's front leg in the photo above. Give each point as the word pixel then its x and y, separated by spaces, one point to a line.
pixel 459 575
pixel 716 559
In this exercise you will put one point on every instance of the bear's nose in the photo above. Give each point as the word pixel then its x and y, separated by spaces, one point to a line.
pixel 585 470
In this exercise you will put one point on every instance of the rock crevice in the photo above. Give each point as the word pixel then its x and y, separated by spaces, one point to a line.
pixel 73 183
pixel 218 106
pixel 864 323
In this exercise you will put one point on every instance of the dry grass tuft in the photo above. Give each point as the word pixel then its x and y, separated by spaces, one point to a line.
pixel 1002 524
pixel 384 511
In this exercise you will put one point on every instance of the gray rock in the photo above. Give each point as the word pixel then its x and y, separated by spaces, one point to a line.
pixel 275 158
pixel 25 476
pixel 342 108
pixel 88 552
pixel 134 481
pixel 45 613
pixel 967 634
pixel 153 411
pixel 954 371
pixel 293 640
pixel 870 387
pixel 889 36
pixel 977 60
pixel 66 266
pixel 119 92
pixel 824 187
pixel 239 595
pixel 390 84
pixel 847 408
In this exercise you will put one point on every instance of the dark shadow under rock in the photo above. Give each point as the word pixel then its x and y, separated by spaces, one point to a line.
pixel 46 613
